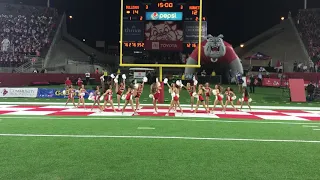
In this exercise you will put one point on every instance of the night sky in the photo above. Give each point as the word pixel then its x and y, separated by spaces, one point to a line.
pixel 237 20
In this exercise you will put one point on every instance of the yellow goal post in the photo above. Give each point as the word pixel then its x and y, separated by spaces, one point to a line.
pixel 160 66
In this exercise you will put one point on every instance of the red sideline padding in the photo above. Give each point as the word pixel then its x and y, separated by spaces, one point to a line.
pixel 297 91
pixel 25 79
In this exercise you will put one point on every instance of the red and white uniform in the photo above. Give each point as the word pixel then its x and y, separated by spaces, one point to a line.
pixel 229 96
pixel 207 90
pixel 129 96
pixel 97 95
pixel 218 97
pixel 175 96
pixel 190 90
pixel 201 98
pixel 156 95
pixel 108 96
pixel 245 98
pixel 120 91
pixel 82 93
pixel 71 94
pixel 139 92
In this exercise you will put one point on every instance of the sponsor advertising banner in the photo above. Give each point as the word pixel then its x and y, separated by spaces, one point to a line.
pixel 164 16
pixel 139 75
pixel 191 31
pixel 18 92
pixel 275 82
pixel 133 31
pixel 56 93
pixel 163 36
pixel 163 45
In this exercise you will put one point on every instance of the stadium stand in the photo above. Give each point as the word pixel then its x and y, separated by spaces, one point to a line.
pixel 308 24
pixel 25 32
pixel 69 54
pixel 282 43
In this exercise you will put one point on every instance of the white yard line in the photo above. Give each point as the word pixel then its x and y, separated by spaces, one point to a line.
pixel 162 105
pixel 146 128
pixel 161 137
pixel 310 126
pixel 127 118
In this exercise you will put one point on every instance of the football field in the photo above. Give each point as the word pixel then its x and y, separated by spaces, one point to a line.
pixel 49 141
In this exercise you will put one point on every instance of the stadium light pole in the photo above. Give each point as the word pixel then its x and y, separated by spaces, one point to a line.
pixel 305 4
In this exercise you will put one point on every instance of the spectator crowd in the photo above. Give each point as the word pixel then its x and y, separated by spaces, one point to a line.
pixel 308 24
pixel 25 31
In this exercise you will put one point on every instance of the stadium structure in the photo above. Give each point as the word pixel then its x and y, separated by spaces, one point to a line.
pixel 59 124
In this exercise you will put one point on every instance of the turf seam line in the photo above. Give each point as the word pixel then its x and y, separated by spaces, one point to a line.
pixel 161 137
pixel 157 119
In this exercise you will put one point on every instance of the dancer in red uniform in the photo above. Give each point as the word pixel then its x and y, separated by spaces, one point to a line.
pixel 230 94
pixel 96 99
pixel 200 99
pixel 82 93
pixel 155 95
pixel 175 99
pixel 246 98
pixel 71 94
pixel 137 93
pixel 207 91
pixel 128 100
pixel 119 89
pixel 108 99
pixel 219 98
pixel 191 90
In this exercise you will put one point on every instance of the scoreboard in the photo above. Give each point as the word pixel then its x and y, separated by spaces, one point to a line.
pixel 137 15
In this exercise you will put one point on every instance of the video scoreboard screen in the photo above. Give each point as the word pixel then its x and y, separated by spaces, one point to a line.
pixel 157 25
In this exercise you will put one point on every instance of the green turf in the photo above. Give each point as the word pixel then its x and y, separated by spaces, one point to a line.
pixel 264 96
pixel 130 158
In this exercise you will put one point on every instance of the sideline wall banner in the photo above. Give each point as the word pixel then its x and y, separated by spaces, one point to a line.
pixel 56 93
pixel 18 92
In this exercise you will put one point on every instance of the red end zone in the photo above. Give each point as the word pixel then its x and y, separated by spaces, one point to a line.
pixel 147 111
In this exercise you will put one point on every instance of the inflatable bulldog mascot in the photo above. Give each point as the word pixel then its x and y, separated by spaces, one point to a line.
pixel 216 52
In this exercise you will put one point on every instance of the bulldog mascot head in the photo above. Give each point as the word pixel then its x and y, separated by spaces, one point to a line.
pixel 215 52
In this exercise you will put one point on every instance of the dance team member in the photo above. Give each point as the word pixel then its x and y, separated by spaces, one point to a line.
pixel 191 90
pixel 230 94
pixel 207 93
pixel 128 100
pixel 175 99
pixel 246 98
pixel 96 96
pixel 155 95
pixel 71 93
pixel 108 99
pixel 82 93
pixel 137 94
pixel 201 100
pixel 119 89
pixel 219 98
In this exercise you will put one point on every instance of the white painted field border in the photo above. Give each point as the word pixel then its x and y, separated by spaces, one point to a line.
pixel 316 129
pixel 146 128
pixel 161 137
pixel 165 105
pixel 306 126
pixel 159 119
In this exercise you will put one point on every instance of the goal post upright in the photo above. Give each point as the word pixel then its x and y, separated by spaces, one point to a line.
pixel 160 66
